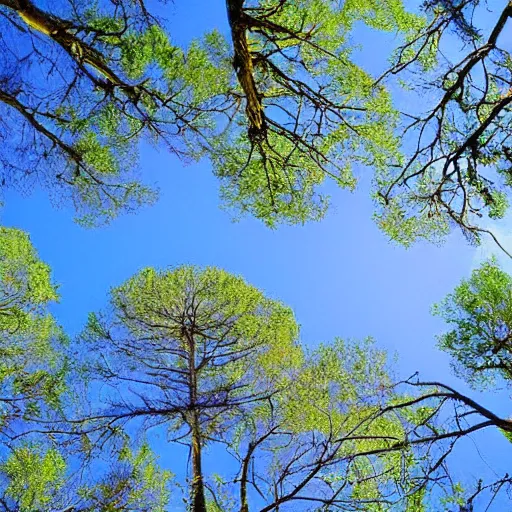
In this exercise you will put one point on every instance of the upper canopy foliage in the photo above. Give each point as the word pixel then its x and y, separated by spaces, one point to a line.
pixel 199 356
pixel 458 162
pixel 277 105
pixel 277 109
pixel 40 472
pixel 186 339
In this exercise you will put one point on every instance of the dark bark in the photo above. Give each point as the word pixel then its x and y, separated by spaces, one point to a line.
pixel 197 488
pixel 198 500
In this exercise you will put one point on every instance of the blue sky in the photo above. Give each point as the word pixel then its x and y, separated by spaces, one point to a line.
pixel 341 276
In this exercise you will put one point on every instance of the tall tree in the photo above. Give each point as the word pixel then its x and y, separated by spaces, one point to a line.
pixel 458 159
pixel 215 363
pixel 334 439
pixel 193 350
pixel 278 104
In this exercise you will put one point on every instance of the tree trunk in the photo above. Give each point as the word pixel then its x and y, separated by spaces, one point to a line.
pixel 244 505
pixel 197 498
pixel 197 488
pixel 243 65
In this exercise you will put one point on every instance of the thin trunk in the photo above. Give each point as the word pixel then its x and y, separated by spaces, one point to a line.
pixel 198 500
pixel 198 496
pixel 244 505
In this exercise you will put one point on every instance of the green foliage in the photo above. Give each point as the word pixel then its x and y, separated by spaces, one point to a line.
pixel 311 80
pixel 456 164
pixel 480 311
pixel 336 419
pixel 135 483
pixel 32 369
pixel 498 205
pixel 153 298
pixel 235 343
pixel 34 477
pixel 331 384
pixel 120 80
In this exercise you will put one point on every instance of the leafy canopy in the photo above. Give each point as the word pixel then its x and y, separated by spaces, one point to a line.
pixel 480 311
pixel 32 367
pixel 456 169
pixel 277 105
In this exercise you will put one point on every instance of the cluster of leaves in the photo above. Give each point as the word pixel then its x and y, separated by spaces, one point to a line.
pixel 277 108
pixel 108 77
pixel 37 478
pixel 311 111
pixel 31 367
pixel 457 167
pixel 480 311
pixel 277 111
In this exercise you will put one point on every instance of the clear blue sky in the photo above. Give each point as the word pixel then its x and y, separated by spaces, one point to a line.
pixel 341 276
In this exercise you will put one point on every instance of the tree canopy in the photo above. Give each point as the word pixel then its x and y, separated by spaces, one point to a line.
pixel 456 166
pixel 277 105
pixel 210 362
pixel 38 467
pixel 193 389
pixel 480 310
pixel 217 366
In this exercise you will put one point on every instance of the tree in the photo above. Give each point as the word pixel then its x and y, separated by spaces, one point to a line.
pixel 457 165
pixel 480 311
pixel 191 350
pixel 32 369
pixel 216 364
pixel 277 109
pixel 311 112
pixel 37 478
pixel 334 439
pixel 35 459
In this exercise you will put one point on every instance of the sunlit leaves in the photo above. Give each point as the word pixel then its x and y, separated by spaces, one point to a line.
pixel 31 366
pixel 457 164
pixel 120 80
pixel 322 113
pixel 34 477
pixel 135 482
pixel 480 313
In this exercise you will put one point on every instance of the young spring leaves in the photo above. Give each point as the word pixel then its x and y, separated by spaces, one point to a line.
pixel 310 110
pixel 37 478
pixel 480 312
pixel 326 439
pixel 81 85
pixel 277 111
pixel 192 350
pixel 32 369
